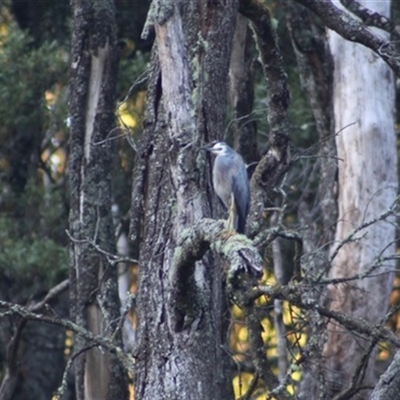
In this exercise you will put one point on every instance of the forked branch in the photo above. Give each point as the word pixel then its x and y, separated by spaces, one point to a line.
pixel 355 31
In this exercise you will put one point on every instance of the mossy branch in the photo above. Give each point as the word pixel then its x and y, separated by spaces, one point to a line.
pixel 241 258
pixel 237 250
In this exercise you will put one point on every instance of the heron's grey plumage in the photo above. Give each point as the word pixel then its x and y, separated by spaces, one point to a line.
pixel 231 183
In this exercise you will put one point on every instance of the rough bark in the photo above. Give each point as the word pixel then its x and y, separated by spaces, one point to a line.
pixel 389 382
pixel 363 97
pixel 273 166
pixel 317 209
pixel 93 281
pixel 315 70
pixel 371 18
pixel 186 107
pixel 242 91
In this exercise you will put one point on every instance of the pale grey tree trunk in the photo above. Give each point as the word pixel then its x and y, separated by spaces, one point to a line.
pixel 364 121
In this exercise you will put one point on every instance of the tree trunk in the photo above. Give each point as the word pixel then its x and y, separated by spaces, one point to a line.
pixel 181 336
pixel 363 109
pixel 316 211
pixel 241 76
pixel 93 281
pixel 389 382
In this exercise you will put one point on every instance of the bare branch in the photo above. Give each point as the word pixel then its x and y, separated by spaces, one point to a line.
pixel 371 18
pixel 52 293
pixel 130 303
pixel 267 236
pixel 358 375
pixel 61 390
pixel 112 259
pixel 10 376
pixel 107 343
pixel 251 388
pixel 354 31
pixel 351 236
pixel 296 294
pixel 137 86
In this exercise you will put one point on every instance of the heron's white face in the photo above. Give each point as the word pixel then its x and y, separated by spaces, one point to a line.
pixel 219 148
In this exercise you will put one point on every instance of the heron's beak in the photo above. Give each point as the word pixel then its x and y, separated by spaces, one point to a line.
pixel 206 148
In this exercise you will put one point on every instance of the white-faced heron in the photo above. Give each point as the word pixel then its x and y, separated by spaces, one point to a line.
pixel 231 184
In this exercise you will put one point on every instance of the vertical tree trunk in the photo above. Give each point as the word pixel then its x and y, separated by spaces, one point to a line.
pixel 241 76
pixel 389 382
pixel 94 291
pixel 320 214
pixel 363 97
pixel 181 355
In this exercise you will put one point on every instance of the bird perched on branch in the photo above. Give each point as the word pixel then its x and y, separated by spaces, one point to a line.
pixel 231 184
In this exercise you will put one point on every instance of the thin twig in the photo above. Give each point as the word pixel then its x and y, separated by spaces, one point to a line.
pixel 350 237
pixel 105 342
pixel 251 388
pixel 113 259
pixel 61 390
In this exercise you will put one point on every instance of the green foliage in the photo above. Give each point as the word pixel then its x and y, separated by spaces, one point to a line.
pixel 33 217
pixel 33 255
pixel 26 72
pixel 33 266
pixel 43 20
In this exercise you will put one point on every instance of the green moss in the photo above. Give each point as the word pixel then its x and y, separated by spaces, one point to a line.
pixel 177 254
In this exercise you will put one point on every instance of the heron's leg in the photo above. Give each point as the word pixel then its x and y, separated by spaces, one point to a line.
pixel 232 218
pixel 230 226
